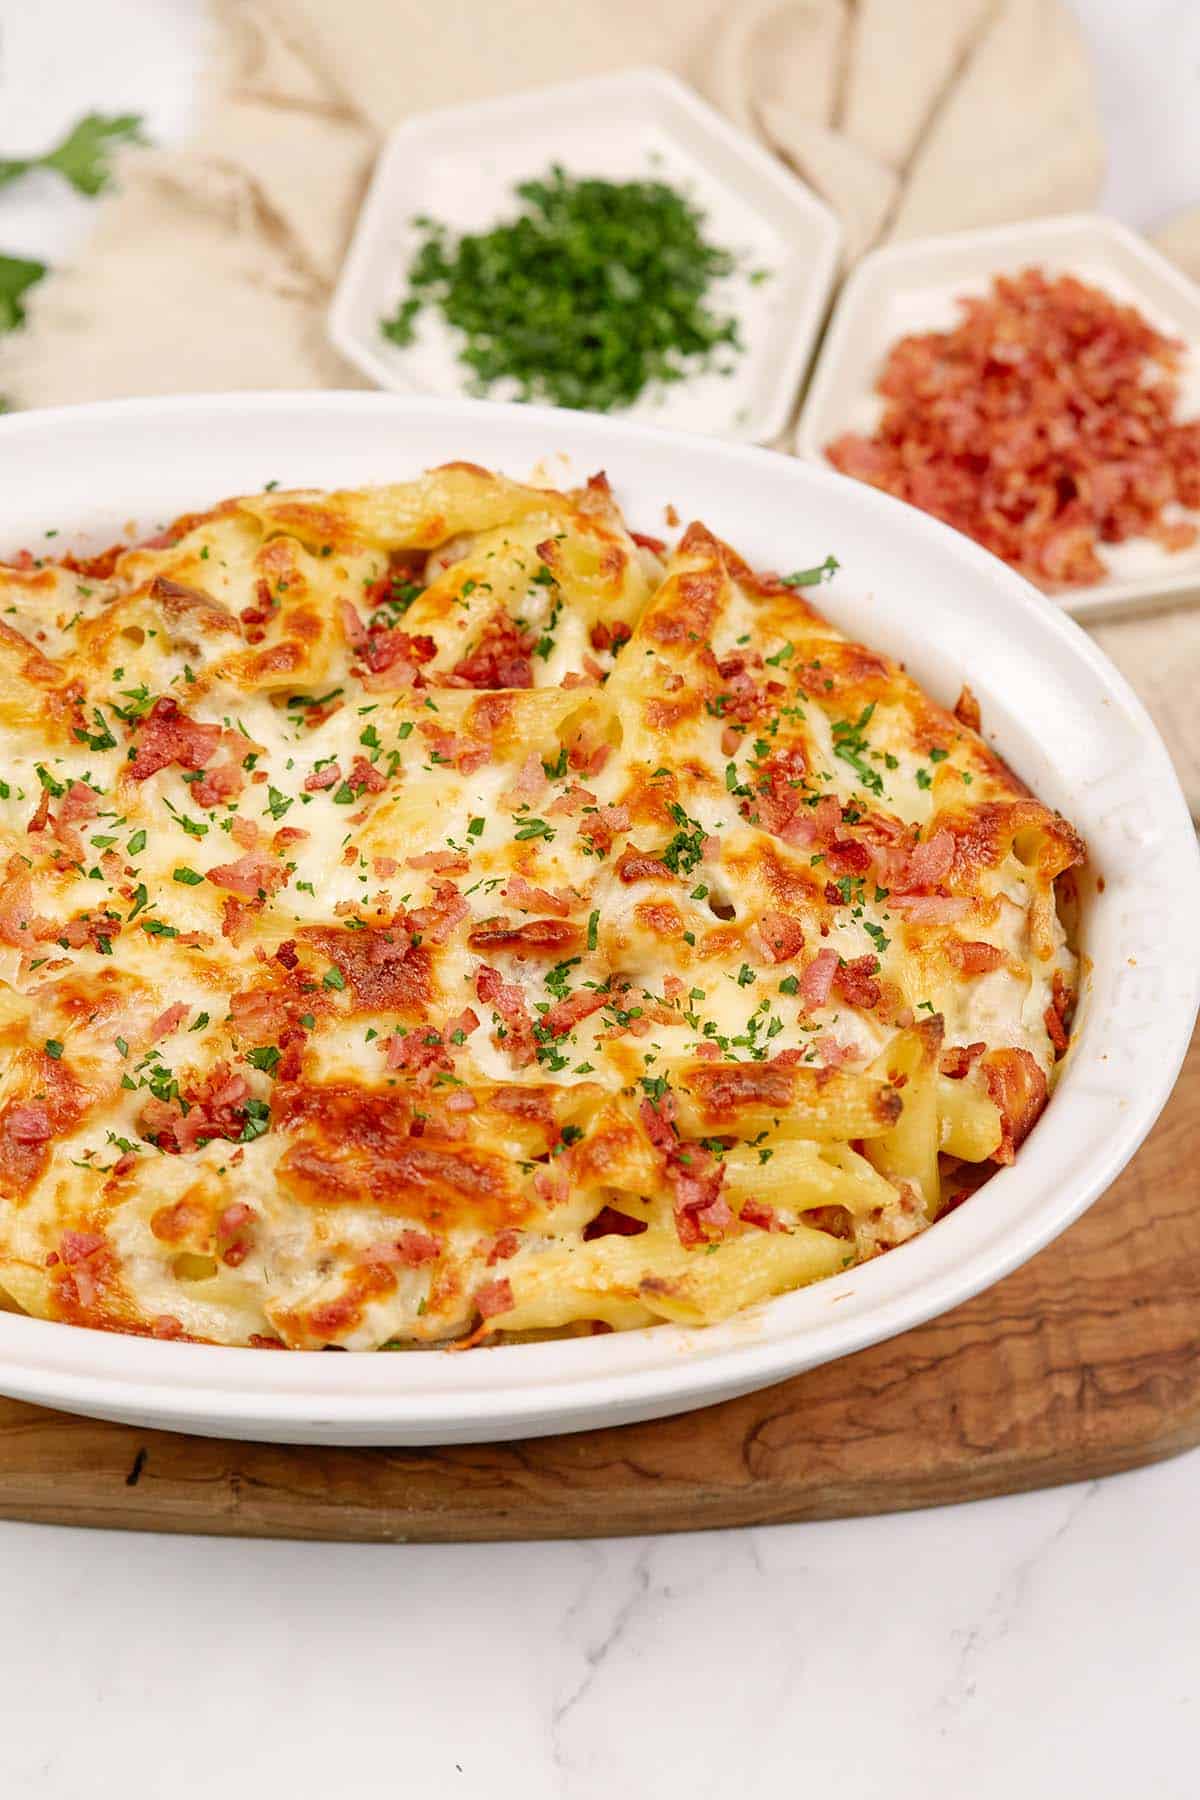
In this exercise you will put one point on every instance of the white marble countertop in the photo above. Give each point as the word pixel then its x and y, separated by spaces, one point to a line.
pixel 1042 1645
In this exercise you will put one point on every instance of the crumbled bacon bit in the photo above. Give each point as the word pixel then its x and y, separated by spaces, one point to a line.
pixel 215 1109
pixel 251 876
pixel 509 1002
pixel 521 894
pixel 507 1244
pixel 77 1246
pixel 79 803
pixel 494 1297
pixel 975 957
pixel 364 776
pixel 1043 425
pixel 422 1052
pixel 167 735
pixel 236 918
pixel 217 785
pixel 1019 1089
pixel 234 1236
pixel 779 806
pixel 408 1250
pixel 701 1211
pixel 757 1212
pixel 566 1014
pixel 601 826
pixel 390 649
pixel 441 915
pixel 536 937
pixel 166 1021
pixel 531 783
pixel 855 981
pixel 817 979
pixel 957 1060
pixel 500 659
pixel 611 637
pixel 41 814
pixel 320 779
pixel 780 936
pixel 848 857
pixel 444 862
pixel 742 698
pixel 638 865
pixel 29 1124
pixel 571 801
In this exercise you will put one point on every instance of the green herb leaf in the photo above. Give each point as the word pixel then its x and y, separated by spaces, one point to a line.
pixel 257 1121
pixel 84 157
pixel 592 292
pixel 813 577
pixel 17 276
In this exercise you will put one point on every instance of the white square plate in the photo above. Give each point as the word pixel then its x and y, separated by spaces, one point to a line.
pixel 460 165
pixel 913 287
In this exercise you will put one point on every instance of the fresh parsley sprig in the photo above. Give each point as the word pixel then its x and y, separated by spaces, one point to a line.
pixel 85 155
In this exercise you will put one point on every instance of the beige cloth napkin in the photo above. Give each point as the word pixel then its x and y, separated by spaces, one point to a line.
pixel 212 268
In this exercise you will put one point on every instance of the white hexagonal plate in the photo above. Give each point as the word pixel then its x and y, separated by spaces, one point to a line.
pixel 913 287
pixel 460 164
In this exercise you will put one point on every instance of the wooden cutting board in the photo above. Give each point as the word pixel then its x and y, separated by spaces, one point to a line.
pixel 1084 1362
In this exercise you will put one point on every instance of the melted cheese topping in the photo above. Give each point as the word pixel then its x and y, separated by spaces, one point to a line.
pixel 427 915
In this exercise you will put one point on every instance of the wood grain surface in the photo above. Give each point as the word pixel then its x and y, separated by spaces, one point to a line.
pixel 1084 1362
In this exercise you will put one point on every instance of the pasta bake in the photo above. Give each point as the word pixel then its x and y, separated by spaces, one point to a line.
pixel 435 913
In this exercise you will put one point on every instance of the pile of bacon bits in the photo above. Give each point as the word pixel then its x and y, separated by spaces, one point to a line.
pixel 1043 426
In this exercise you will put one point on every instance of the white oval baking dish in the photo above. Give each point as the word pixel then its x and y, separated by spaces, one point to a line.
pixel 1051 703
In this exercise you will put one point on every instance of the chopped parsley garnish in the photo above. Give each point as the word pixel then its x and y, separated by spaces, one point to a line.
pixel 813 577
pixel 53 1048
pixel 533 828
pixel 593 292
pixel 257 1121
pixel 186 877
pixel 851 746
pixel 687 846
pixel 100 737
